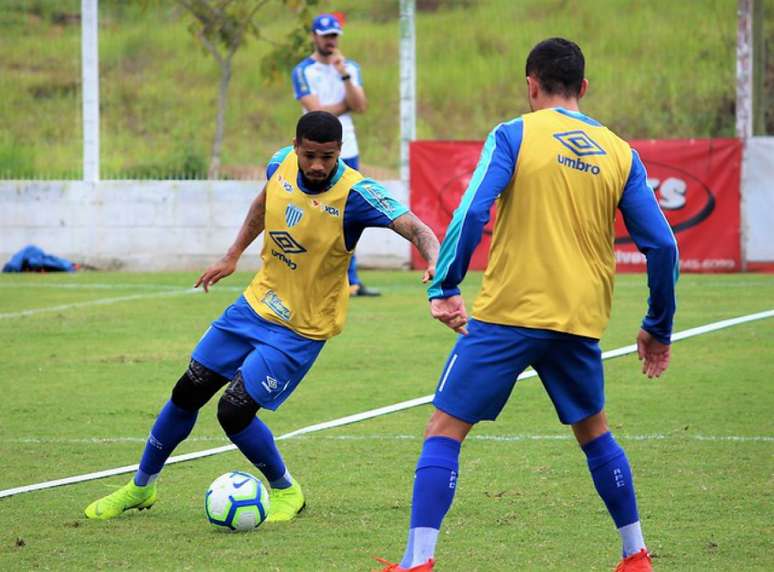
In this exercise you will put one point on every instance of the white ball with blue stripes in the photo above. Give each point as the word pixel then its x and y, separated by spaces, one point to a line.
pixel 237 501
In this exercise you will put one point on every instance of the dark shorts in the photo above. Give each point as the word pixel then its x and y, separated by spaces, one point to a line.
pixel 481 372
pixel 272 359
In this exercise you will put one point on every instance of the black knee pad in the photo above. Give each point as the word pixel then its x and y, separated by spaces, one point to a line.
pixel 196 387
pixel 236 409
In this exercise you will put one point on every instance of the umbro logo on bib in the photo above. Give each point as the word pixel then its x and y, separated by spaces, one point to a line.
pixel 287 243
pixel 579 143
pixel 583 146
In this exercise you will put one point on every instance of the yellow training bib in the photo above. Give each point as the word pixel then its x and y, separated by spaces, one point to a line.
pixel 551 262
pixel 303 281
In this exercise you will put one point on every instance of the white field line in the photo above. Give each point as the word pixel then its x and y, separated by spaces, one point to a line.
pixel 563 437
pixel 102 286
pixel 166 290
pixel 98 440
pixel 364 415
pixel 97 302
pixel 88 286
pixel 677 435
pixel 5 282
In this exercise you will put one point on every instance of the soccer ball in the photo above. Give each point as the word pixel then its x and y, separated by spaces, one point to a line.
pixel 237 501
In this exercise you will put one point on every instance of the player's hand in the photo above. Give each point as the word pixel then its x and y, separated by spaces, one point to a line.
pixel 429 274
pixel 653 354
pixel 451 312
pixel 222 268
pixel 338 60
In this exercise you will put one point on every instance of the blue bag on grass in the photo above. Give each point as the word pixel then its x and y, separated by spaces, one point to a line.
pixel 33 259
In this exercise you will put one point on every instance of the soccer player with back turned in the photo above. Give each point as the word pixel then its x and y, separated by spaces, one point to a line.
pixel 558 177
pixel 313 211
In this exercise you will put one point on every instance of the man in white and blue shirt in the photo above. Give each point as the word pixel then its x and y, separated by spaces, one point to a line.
pixel 327 81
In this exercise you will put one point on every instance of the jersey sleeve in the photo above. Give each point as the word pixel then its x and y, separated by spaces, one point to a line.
pixel 493 173
pixel 301 85
pixel 651 233
pixel 369 204
pixel 276 160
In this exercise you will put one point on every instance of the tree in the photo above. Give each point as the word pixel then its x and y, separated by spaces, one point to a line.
pixel 223 26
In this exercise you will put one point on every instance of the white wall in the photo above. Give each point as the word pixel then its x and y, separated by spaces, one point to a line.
pixel 185 225
pixel 151 225
pixel 758 199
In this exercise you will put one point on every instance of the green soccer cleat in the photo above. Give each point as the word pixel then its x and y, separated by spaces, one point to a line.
pixel 127 497
pixel 285 504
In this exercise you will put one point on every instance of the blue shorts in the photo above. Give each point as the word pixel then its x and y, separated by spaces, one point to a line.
pixel 481 372
pixel 272 359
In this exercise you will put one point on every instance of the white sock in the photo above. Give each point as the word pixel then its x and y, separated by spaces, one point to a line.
pixel 285 481
pixel 631 537
pixel 421 546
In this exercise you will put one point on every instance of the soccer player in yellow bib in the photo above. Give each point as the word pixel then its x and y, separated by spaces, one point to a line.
pixel 312 212
pixel 557 177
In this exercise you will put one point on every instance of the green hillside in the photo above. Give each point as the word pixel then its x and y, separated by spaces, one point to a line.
pixel 657 69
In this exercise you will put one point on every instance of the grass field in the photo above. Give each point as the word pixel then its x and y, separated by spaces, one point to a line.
pixel 658 69
pixel 86 367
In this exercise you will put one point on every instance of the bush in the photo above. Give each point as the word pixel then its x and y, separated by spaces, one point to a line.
pixel 186 163
pixel 16 161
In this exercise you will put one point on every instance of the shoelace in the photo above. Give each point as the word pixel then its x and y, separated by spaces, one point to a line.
pixel 390 565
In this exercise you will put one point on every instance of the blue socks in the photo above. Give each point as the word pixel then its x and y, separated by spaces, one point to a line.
pixel 436 481
pixel 172 426
pixel 434 487
pixel 352 272
pixel 613 480
pixel 257 444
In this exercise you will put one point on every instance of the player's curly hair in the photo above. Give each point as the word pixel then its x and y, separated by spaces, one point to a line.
pixel 318 126
pixel 558 65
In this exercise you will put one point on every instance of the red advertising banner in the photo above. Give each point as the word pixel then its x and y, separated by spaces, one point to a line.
pixel 696 183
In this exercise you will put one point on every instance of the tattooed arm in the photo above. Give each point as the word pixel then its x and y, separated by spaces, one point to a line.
pixel 252 226
pixel 420 235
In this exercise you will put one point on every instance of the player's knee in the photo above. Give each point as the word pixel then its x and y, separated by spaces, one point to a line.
pixel 588 429
pixel 442 424
pixel 236 409
pixel 196 387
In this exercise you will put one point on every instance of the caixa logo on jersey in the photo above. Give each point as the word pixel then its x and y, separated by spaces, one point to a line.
pixel 685 200
pixel 327 209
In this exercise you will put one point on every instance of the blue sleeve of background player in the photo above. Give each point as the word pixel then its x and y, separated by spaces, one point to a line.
pixel 654 238
pixel 493 173
pixel 276 159
pixel 301 85
pixel 369 204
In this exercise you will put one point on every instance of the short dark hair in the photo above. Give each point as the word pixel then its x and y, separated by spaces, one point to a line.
pixel 558 65
pixel 318 126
